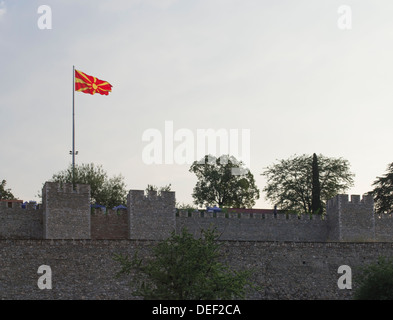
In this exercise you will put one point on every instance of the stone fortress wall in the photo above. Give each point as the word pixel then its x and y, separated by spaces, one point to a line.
pixel 293 257
pixel 66 214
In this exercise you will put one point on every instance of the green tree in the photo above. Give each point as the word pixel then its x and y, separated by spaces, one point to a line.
pixel 375 281
pixel 383 192
pixel 220 184
pixel 5 194
pixel 185 268
pixel 290 181
pixel 316 204
pixel 105 191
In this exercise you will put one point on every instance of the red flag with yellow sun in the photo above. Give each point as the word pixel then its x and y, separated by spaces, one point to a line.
pixel 89 84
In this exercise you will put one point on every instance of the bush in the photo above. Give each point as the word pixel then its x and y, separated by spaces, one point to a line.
pixel 185 268
pixel 376 281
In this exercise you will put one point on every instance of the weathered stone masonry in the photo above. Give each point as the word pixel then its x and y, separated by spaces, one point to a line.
pixel 294 257
pixel 18 223
pixel 66 214
pixel 84 269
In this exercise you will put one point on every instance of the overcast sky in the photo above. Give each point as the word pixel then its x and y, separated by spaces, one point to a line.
pixel 283 70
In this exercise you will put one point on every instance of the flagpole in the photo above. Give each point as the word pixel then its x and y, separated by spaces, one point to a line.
pixel 73 127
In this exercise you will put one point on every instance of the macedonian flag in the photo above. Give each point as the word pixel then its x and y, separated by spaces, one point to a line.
pixel 88 84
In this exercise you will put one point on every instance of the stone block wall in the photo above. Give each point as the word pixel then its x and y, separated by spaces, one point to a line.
pixel 85 269
pixel 292 258
pixel 383 227
pixel 333 221
pixel 20 223
pixel 151 216
pixel 66 211
pixel 351 220
pixel 109 224
pixel 255 226
pixel 66 214
pixel 344 221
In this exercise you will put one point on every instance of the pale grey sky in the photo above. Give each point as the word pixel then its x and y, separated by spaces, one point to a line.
pixel 281 69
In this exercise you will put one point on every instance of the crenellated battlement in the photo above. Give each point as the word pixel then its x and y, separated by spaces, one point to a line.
pixel 66 214
pixel 66 188
pixel 246 215
pixel 20 220
pixel 151 216
pixel 351 220
pixel 285 248
pixel 66 211
pixel 255 225
pixel 152 195
pixel 109 223
pixel 8 205
pixel 343 200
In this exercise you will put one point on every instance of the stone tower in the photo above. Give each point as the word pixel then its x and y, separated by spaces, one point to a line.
pixel 66 212
pixel 351 220
pixel 151 216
